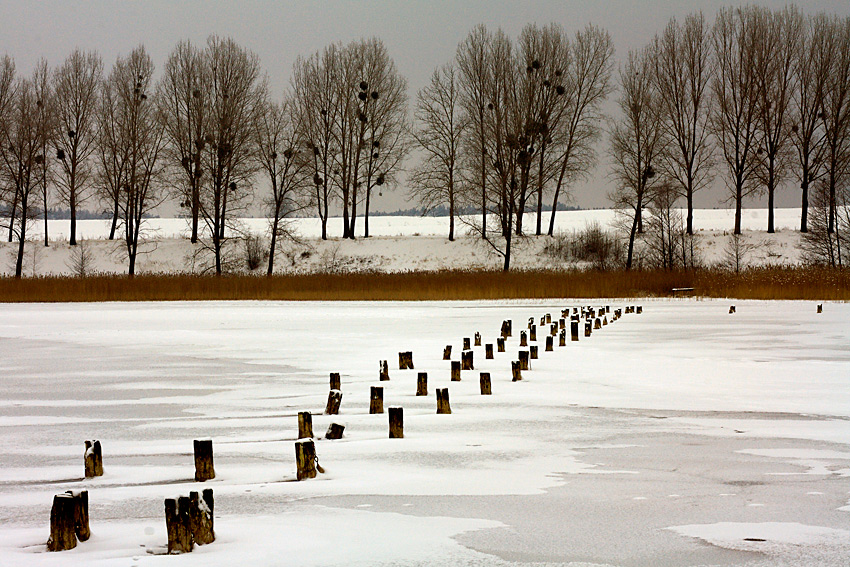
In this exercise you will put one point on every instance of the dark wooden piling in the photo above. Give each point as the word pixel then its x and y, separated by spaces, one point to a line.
pixel 466 360
pixel 532 351
pixel 532 333
pixel 396 415
pixel 177 525
pixel 516 371
pixel 550 340
pixel 305 425
pixel 63 534
pixel 639 309
pixel 335 381
pixel 81 514
pixel 574 330
pixel 383 371
pixel 376 400
pixel 523 360
pixel 447 352
pixel 731 309
pixel 477 339
pixel 200 519
pixel 500 344
pixel 485 384
pixel 204 469
pixel 562 337
pixel 588 329
pixel 820 307
pixel 93 459
pixel 405 360
pixel 334 431
pixel 523 338
pixel 467 343
pixel 597 324
pixel 443 405
pixel 334 402
pixel 488 351
pixel 455 371
pixel 422 384
pixel 305 459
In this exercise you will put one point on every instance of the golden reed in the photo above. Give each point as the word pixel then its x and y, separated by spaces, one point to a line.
pixel 758 283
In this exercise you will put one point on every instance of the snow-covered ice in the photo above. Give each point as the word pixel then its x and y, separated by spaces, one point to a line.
pixel 682 436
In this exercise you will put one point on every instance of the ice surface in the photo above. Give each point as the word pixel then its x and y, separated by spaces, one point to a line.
pixel 721 427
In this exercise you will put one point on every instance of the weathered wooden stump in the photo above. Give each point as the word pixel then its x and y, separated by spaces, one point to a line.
pixel 532 351
pixel 455 371
pixel 63 535
pixel 731 309
pixel 334 401
pixel 548 318
pixel 523 360
pixel 516 371
pixel 485 384
pixel 820 307
pixel 553 330
pixel 443 405
pixel 396 415
pixel 542 320
pixel 204 469
pixel 639 309
pixel 532 333
pixel 488 351
pixel 530 322
pixel 81 514
pixel 335 381
pixel 500 344
pixel 93 459
pixel 597 324
pixel 466 362
pixel 334 431
pixel 467 343
pixel 604 320
pixel 588 329
pixel 447 352
pixel 523 339
pixel 305 459
pixel 305 425
pixel 177 525
pixel 383 371
pixel 422 384
pixel 477 339
pixel 506 328
pixel 550 340
pixel 562 338
pixel 201 518
pixel 376 400
pixel 405 360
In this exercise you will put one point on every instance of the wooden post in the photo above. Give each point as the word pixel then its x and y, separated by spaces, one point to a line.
pixel 443 401
pixel 500 344
pixel 562 323
pixel 523 360
pixel 383 371
pixel 305 458
pixel 597 324
pixel 516 371
pixel 639 309
pixel 396 422
pixel 477 339
pixel 63 535
pixel 820 307
pixel 200 519
pixel 548 318
pixel 207 495
pixel 455 371
pixel 523 339
pixel 542 320
pixel 334 431
pixel 93 459
pixel 488 351
pixel 81 514
pixel 422 384
pixel 530 322
pixel 731 309
pixel 376 400
pixel 447 352
pixel 305 425
pixel 485 384
pixel 204 469
pixel 553 330
pixel 334 401
pixel 532 351
pixel 604 320
pixel 405 360
pixel 562 338
pixel 532 333
pixel 177 525
pixel 574 330
pixel 588 329
pixel 466 360
pixel 335 382
pixel 467 343
pixel 549 343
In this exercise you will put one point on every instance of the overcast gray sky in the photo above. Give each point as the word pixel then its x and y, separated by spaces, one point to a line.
pixel 419 34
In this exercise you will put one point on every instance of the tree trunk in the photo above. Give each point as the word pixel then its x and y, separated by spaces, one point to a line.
pixel 804 214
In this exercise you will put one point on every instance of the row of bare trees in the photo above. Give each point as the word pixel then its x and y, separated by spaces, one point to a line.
pixel 760 98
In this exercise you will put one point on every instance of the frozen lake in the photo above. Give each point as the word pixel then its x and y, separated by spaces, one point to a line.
pixel 682 436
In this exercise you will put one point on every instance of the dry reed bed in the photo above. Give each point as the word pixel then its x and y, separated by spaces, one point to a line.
pixel 759 283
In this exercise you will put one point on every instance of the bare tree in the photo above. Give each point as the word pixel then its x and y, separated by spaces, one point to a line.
pixel 779 34
pixel 138 144
pixel 77 84
pixel 637 141
pixel 822 245
pixel 436 179
pixel 47 120
pixel 682 71
pixel 734 120
pixel 21 145
pixel 836 115
pixel 182 93
pixel 812 56
pixel 110 153
pixel 282 159
pixel 586 83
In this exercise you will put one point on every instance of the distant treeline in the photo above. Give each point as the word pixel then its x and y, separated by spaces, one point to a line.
pixel 443 211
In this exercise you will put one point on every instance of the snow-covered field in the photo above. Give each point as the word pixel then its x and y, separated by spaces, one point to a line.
pixel 396 244
pixel 681 436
